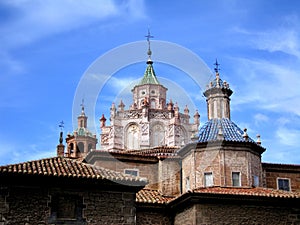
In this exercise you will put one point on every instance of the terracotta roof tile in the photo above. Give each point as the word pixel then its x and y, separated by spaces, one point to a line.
pixel 244 191
pixel 152 196
pixel 157 152
pixel 65 167
pixel 163 151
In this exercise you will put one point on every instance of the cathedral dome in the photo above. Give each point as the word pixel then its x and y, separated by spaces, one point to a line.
pixel 223 129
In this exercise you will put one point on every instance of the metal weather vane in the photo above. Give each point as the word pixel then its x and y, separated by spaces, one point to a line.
pixel 217 66
pixel 148 36
pixel 61 125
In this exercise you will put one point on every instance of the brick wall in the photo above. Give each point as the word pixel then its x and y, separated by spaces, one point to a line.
pixel 187 172
pixel 147 170
pixel 163 175
pixel 272 172
pixel 169 177
pixel 271 179
pixel 221 161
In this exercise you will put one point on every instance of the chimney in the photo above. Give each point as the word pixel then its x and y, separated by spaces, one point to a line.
pixel 60 147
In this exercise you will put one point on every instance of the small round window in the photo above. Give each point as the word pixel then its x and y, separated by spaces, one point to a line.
pixel 153 92
pixel 143 92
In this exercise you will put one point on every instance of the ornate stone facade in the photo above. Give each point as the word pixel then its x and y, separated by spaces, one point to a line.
pixel 149 122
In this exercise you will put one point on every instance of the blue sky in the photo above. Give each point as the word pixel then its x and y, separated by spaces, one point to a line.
pixel 47 45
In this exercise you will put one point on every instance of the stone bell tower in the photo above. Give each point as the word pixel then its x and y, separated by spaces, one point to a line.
pixel 224 155
pixel 82 140
pixel 150 121
pixel 218 97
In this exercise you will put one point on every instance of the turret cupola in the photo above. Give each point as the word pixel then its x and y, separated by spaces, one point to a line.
pixel 82 118
pixel 149 87
pixel 218 97
pixel 82 140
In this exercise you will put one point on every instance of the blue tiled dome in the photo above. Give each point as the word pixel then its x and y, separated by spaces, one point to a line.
pixel 224 127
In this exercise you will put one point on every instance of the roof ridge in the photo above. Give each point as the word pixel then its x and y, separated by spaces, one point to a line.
pixel 66 167
pixel 247 191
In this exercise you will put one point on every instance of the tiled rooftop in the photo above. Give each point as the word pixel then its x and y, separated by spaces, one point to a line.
pixel 223 128
pixel 163 151
pixel 64 167
pixel 258 191
pixel 156 197
pixel 157 152
pixel 152 196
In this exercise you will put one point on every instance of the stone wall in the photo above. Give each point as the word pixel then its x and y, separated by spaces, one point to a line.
pixel 109 208
pixel 32 206
pixel 25 206
pixel 186 217
pixel 153 217
pixel 234 214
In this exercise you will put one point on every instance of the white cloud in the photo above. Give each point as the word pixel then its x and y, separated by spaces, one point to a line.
pixel 270 86
pixel 39 18
pixel 10 153
pixel 122 83
pixel 14 65
pixel 285 38
pixel 288 136
pixel 260 118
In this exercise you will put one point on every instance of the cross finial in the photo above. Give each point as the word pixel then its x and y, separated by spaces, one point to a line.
pixel 82 106
pixel 217 66
pixel 148 36
pixel 61 125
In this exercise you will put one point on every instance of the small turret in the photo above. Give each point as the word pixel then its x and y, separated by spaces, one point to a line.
pixel 121 106
pixel 102 121
pixel 82 140
pixel 197 118
pixel 82 118
pixel 60 147
pixel 218 97
pixel 258 141
pixel 186 110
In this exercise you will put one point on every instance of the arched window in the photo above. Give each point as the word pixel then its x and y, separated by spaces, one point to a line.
pixel 80 147
pixel 90 147
pixel 181 135
pixel 133 137
pixel 153 104
pixel 71 147
pixel 158 135
pixel 215 109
